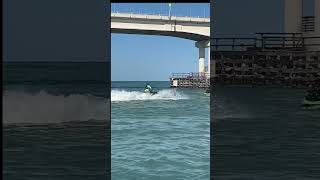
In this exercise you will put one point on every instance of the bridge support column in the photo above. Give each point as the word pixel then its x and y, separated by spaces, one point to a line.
pixel 211 64
pixel 316 26
pixel 317 17
pixel 202 57
pixel 293 16
pixel 209 61
pixel 202 45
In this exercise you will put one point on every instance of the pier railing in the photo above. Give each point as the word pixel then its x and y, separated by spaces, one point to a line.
pixel 281 40
pixel 233 44
pixel 266 41
pixel 189 75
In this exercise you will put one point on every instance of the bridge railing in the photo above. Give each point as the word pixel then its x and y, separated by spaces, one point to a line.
pixel 160 17
pixel 132 11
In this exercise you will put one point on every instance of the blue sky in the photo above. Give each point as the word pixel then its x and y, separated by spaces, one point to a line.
pixel 154 58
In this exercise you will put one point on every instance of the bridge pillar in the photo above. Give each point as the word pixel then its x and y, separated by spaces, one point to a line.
pixel 202 45
pixel 316 27
pixel 211 65
pixel 202 57
pixel 317 17
pixel 293 16
pixel 209 61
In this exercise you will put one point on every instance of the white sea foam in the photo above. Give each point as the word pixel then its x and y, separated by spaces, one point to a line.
pixel 43 108
pixel 122 95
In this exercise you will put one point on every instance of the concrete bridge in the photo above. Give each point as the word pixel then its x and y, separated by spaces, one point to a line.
pixel 196 29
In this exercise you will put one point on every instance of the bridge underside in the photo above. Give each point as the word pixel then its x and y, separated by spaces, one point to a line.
pixel 184 35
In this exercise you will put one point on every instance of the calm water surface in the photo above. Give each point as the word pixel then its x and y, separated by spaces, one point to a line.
pixel 263 133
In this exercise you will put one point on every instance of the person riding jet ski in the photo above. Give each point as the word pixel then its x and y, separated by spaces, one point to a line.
pixel 207 92
pixel 312 99
pixel 148 89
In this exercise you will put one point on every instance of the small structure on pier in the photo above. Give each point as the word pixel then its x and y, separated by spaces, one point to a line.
pixel 190 80
pixel 201 79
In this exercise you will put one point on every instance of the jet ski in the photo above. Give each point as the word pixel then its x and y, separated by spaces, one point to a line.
pixel 150 92
pixel 148 89
pixel 312 99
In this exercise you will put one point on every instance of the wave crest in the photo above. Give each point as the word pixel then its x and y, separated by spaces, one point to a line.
pixel 122 95
pixel 44 108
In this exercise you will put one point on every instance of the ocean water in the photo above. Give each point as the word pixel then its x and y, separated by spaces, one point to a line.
pixel 55 126
pixel 263 133
pixel 55 121
pixel 164 136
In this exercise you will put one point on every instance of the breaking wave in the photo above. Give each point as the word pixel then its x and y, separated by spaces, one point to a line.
pixel 122 95
pixel 45 108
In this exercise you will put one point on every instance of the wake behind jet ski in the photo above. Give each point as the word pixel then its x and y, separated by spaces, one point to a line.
pixel 148 89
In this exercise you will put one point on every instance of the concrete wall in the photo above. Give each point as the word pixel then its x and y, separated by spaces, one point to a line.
pixel 268 68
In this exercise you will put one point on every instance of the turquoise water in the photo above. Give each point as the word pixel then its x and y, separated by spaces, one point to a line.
pixel 164 136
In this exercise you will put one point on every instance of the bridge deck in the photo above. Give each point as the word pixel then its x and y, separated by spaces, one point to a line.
pixel 197 29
